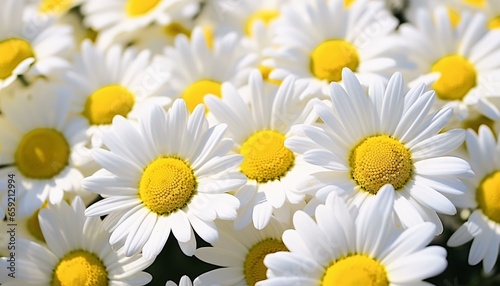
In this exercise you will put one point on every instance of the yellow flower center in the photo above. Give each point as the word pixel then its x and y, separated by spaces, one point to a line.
pixel 475 3
pixel 265 157
pixel 106 102
pixel 42 153
pixel 348 3
pixel 14 51
pixel 454 16
pixel 488 196
pixel 253 267
pixel 195 93
pixel 494 23
pixel 167 185
pixel 173 29
pixel 458 76
pixel 266 71
pixel 475 123
pixel 136 8
pixel 330 57
pixel 356 270
pixel 80 268
pixel 380 160
pixel 265 16
pixel 55 6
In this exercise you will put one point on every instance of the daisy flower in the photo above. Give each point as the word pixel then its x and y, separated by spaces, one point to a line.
pixel 77 253
pixel 259 129
pixel 455 62
pixel 185 281
pixel 41 145
pixel 483 225
pixel 55 7
pixel 118 81
pixel 241 254
pixel 241 17
pixel 113 17
pixel 28 43
pixel 385 137
pixel 340 248
pixel 170 173
pixel 197 69
pixel 316 39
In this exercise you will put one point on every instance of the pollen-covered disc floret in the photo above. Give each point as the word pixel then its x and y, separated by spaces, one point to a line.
pixel 42 153
pixel 380 160
pixel 195 93
pixel 80 267
pixel 330 57
pixel 106 102
pixel 265 156
pixel 13 51
pixel 488 196
pixel 458 77
pixel 356 269
pixel 167 185
pixel 254 268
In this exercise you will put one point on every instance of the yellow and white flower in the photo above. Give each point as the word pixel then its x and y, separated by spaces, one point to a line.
pixel 30 45
pixel 385 137
pixel 41 145
pixel 483 225
pixel 259 129
pixel 113 17
pixel 77 253
pixel 171 172
pixel 341 248
pixel 241 253
pixel 119 81
pixel 197 69
pixel 317 39
pixel 455 61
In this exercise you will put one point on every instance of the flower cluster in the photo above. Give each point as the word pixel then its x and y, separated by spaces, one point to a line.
pixel 305 142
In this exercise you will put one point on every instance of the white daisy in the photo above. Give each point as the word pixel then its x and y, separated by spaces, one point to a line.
pixel 483 226
pixel 241 253
pixel 259 130
pixel 455 62
pixel 154 37
pixel 41 146
pixel 241 17
pixel 318 38
pixel 386 137
pixel 57 8
pixel 170 173
pixel 341 248
pixel 30 45
pixel 197 69
pixel 113 17
pixel 185 281
pixel 77 253
pixel 118 81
